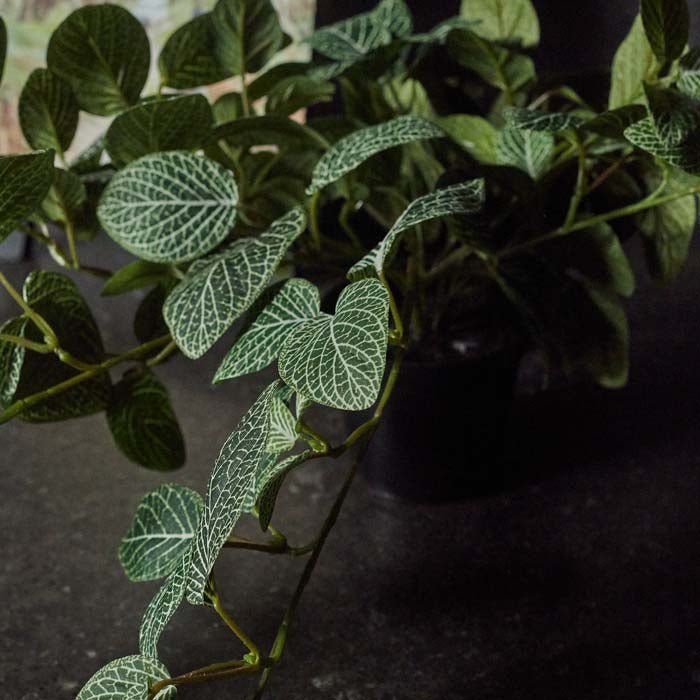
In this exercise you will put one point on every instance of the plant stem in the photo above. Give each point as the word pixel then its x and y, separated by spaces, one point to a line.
pixel 395 313
pixel 314 225
pixel 41 324
pixel 163 355
pixel 235 628
pixel 580 190
pixel 70 235
pixel 29 344
pixel 204 675
pixel 22 404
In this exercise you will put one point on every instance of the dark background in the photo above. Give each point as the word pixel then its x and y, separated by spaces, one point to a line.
pixel 578 580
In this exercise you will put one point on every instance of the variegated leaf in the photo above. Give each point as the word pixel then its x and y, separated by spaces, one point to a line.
pixel 302 404
pixel 527 150
pixel 535 120
pixel 356 148
pixel 161 532
pixel 297 302
pixel 169 207
pixel 339 360
pixel 462 198
pixel 689 81
pixel 220 288
pixel 11 359
pixel 676 116
pixel 128 678
pixel 685 156
pixel 613 123
pixel 231 486
pixel 283 433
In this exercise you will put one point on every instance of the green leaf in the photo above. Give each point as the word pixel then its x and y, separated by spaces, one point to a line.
pixel 268 130
pixel 65 198
pixel 161 532
pixel 162 608
pixel 135 275
pixel 462 198
pixel 613 123
pixel 57 299
pixel 689 80
pixel 283 434
pixel 11 359
pixel 149 323
pixel 230 489
pixel 668 230
pixel 24 182
pixel 267 81
pixel 128 678
pixel 535 120
pixel 271 483
pixel 338 361
pixel 633 65
pixel 143 423
pixel 298 92
pixel 530 151
pixel 676 117
pixel 298 301
pixel 666 23
pixel 168 124
pixel 169 207
pixel 187 60
pixel 88 161
pixel 3 46
pixel 102 51
pixel 227 108
pixel 48 111
pixel 247 34
pixel 220 288
pixel 685 156
pixel 302 404
pixel 356 148
pixel 350 40
pixel 474 134
pixel 498 66
pixel 503 20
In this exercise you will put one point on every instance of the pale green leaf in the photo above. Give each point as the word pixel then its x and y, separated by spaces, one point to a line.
pixel 48 111
pixel 162 608
pixel 633 65
pixel 283 434
pixel 187 59
pixel 685 156
pixel 167 124
pixel 474 134
pixel 220 288
pixel 666 23
pixel 247 34
pixel 351 151
pixel 169 207
pixel 230 489
pixel 128 678
pixel 11 359
pixel 65 198
pixel 339 360
pixel 135 275
pixel 297 302
pixel 161 532
pixel 503 20
pixel 689 81
pixel 530 151
pixel 535 120
pixel 24 182
pixel 462 198
pixel 143 423
pixel 297 92
pixel 102 51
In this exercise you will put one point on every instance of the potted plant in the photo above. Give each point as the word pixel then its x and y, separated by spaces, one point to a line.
pixel 451 218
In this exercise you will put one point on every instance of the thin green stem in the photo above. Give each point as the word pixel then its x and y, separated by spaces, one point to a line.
pixel 163 355
pixel 580 190
pixel 235 627
pixel 72 248
pixel 206 674
pixel 41 324
pixel 25 343
pixel 395 313
pixel 314 224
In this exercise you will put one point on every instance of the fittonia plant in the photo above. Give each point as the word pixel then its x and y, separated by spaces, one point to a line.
pixel 448 190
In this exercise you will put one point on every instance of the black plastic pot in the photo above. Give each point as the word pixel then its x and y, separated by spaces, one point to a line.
pixel 441 436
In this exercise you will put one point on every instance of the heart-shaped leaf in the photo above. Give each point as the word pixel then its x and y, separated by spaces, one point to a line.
pixel 220 288
pixel 168 124
pixel 356 148
pixel 513 21
pixel 230 489
pixel 11 359
pixel 128 678
pixel 161 532
pixel 169 207
pixel 48 111
pixel 248 34
pixel 462 198
pixel 24 182
pixel 102 51
pixel 187 59
pixel 339 360
pixel 298 301
pixel 143 423
pixel 530 151
pixel 666 23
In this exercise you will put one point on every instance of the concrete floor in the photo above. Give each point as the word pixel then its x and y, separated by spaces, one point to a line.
pixel 579 580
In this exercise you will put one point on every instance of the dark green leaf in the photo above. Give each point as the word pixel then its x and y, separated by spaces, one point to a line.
pixel 48 111
pixel 685 156
pixel 65 198
pixel 666 23
pixel 297 92
pixel 247 34
pixel 187 59
pixel 264 83
pixel 613 123
pixel 268 130
pixel 228 108
pixel 88 161
pixel 676 117
pixel 103 52
pixel 3 46
pixel 24 182
pixel 149 323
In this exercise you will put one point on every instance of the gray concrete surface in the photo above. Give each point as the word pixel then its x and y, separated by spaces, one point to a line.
pixel 579 580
